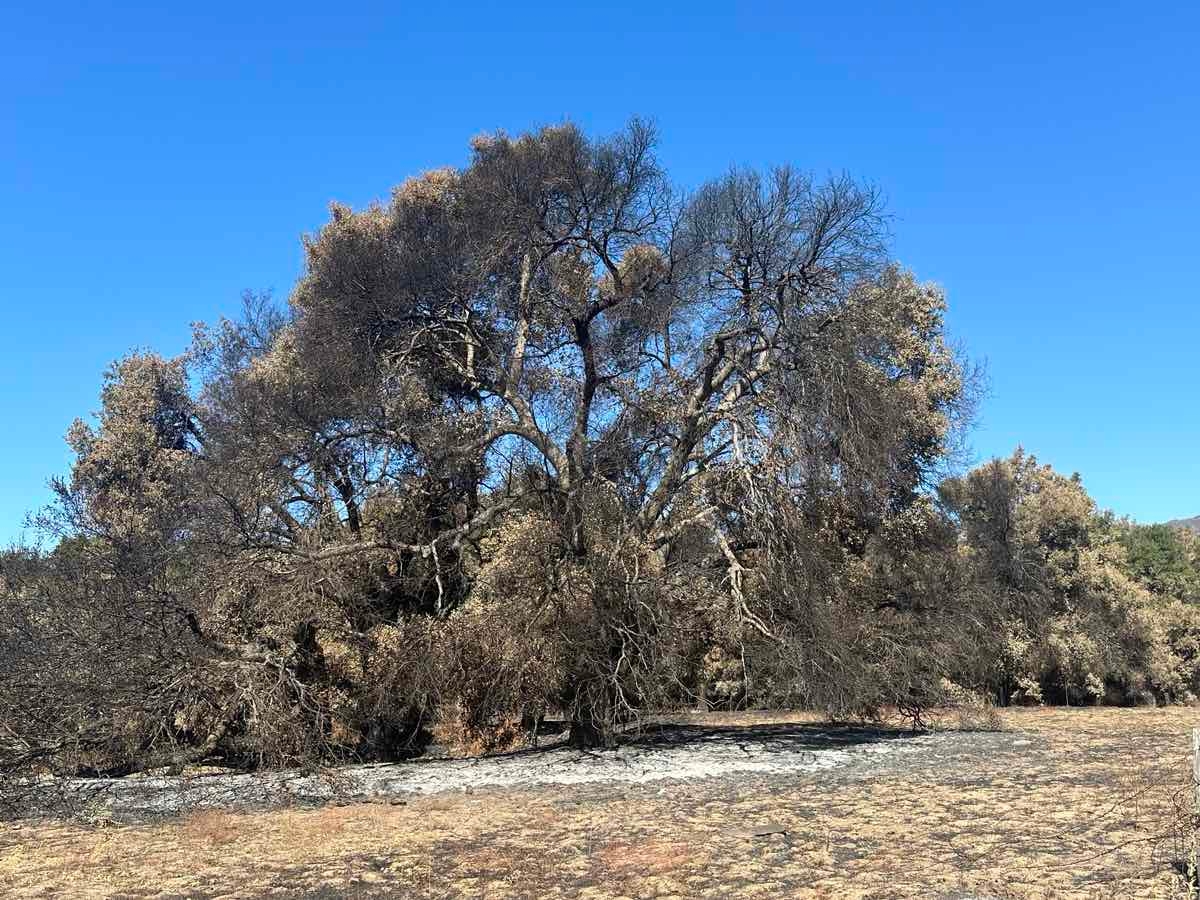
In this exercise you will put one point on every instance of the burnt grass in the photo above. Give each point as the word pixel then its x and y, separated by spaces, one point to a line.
pixel 1062 803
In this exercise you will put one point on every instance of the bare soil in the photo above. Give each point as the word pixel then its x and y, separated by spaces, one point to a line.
pixel 1062 803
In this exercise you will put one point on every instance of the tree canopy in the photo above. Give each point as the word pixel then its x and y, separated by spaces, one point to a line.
pixel 544 434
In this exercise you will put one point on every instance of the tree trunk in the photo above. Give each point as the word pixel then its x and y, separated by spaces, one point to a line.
pixel 587 735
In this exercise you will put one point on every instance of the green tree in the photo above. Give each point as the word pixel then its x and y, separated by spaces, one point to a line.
pixel 1163 559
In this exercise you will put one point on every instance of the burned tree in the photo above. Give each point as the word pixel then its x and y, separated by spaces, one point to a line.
pixel 545 432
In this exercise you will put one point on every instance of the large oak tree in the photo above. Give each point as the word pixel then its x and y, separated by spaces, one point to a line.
pixel 541 432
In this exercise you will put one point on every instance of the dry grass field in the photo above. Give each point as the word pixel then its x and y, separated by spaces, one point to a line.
pixel 1078 807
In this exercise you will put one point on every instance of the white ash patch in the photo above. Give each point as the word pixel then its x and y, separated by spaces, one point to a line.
pixel 711 756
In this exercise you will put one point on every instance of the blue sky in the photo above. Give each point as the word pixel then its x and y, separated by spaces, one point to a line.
pixel 1041 165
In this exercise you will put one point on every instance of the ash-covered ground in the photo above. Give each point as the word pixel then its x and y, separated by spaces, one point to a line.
pixel 662 753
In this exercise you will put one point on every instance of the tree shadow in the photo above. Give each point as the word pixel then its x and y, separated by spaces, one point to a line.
pixel 780 738
pixel 790 737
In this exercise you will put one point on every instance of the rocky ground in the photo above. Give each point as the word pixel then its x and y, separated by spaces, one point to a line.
pixel 1060 803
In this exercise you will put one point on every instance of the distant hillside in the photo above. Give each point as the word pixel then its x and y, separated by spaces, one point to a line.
pixel 1192 524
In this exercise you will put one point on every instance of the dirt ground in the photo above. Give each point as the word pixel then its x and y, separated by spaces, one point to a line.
pixel 1065 803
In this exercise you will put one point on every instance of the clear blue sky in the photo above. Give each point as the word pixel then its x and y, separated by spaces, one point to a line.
pixel 1042 165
